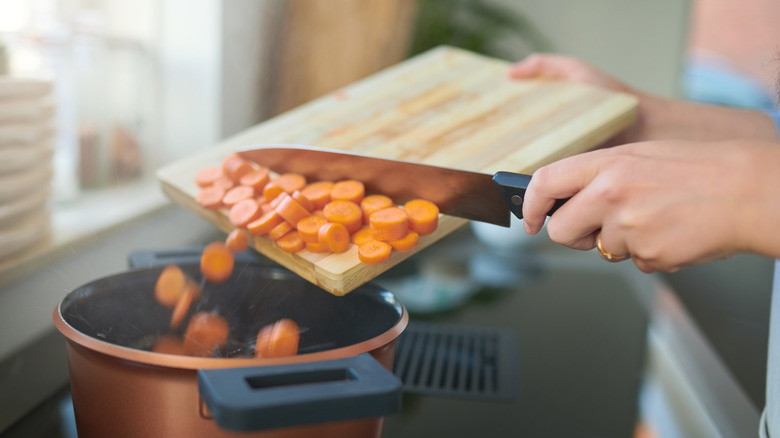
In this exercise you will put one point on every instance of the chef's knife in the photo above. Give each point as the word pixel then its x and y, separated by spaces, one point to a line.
pixel 470 195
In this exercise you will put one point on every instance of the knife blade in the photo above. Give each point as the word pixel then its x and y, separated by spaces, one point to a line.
pixel 471 195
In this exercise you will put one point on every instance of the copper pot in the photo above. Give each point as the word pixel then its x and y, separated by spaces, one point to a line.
pixel 120 389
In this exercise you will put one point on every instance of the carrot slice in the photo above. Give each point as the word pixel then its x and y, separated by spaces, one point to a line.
pixel 373 203
pixel 205 333
pixel 210 198
pixel 265 224
pixel 374 251
pixel 224 183
pixel 272 190
pixel 334 236
pixel 291 210
pixel 405 243
pixel 237 240
pixel 257 179
pixel 236 194
pixel 423 216
pixel 319 213
pixel 278 339
pixel 216 262
pixel 390 223
pixel 280 230
pixel 318 193
pixel 346 213
pixel 303 200
pixel 169 344
pixel 244 212
pixel 191 291
pixel 236 167
pixel 290 182
pixel 363 235
pixel 169 286
pixel 206 177
pixel 348 190
pixel 316 247
pixel 291 242
pixel 309 228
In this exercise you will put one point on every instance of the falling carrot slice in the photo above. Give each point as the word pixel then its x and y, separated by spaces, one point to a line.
pixel 318 193
pixel 210 198
pixel 346 213
pixel 334 236
pixel 390 223
pixel 169 344
pixel 423 216
pixel 191 291
pixel 278 339
pixel 206 177
pixel 291 242
pixel 309 228
pixel 205 333
pixel 237 240
pixel 216 262
pixel 405 243
pixel 169 286
pixel 348 190
pixel 244 212
pixel 373 203
pixel 374 251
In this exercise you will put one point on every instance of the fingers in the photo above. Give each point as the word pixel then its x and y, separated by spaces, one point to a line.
pixel 541 65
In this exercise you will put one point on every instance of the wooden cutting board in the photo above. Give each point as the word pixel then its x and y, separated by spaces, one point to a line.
pixel 446 107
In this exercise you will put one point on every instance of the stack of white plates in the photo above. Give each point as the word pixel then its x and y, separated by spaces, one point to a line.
pixel 26 150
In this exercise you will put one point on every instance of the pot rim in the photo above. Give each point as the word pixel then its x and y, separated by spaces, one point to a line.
pixel 195 363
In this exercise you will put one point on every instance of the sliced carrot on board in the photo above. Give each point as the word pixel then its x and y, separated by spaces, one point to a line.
pixel 169 286
pixel 334 236
pixel 278 339
pixel 210 198
pixel 291 210
pixel 237 240
pixel 309 228
pixel 303 200
pixel 316 247
pixel 291 242
pixel 374 251
pixel 290 182
pixel 191 292
pixel 257 179
pixel 237 194
pixel 363 235
pixel 373 203
pixel 216 262
pixel 390 223
pixel 169 344
pixel 206 177
pixel 318 193
pixel 348 190
pixel 236 167
pixel 205 333
pixel 423 216
pixel 272 190
pixel 265 224
pixel 319 213
pixel 224 183
pixel 244 212
pixel 405 243
pixel 346 213
pixel 280 230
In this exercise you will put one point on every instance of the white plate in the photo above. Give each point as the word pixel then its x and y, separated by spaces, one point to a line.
pixel 18 184
pixel 16 157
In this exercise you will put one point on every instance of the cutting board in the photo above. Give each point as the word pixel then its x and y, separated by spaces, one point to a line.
pixel 446 107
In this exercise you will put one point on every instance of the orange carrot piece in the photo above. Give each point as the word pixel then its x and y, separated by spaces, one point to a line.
pixel 291 242
pixel 236 167
pixel 316 247
pixel 405 243
pixel 334 236
pixel 264 206
pixel 216 262
pixel 373 203
pixel 210 198
pixel 280 230
pixel 291 210
pixel 348 190
pixel 318 193
pixel 278 199
pixel 237 240
pixel 374 251
pixel 390 223
pixel 303 200
pixel 265 224
pixel 236 194
pixel 224 183
pixel 257 179
pixel 169 286
pixel 423 216
pixel 309 228
pixel 272 190
pixel 319 213
pixel 346 213
pixel 278 339
pixel 205 333
pixel 169 344
pixel 244 212
pixel 206 177
pixel 363 235
pixel 191 291
pixel 290 182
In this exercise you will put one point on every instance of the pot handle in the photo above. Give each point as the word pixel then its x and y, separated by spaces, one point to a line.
pixel 266 397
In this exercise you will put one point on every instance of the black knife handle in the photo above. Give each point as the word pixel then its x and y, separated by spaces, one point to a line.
pixel 512 187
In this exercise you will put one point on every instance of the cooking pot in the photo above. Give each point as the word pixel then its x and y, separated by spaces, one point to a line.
pixel 340 383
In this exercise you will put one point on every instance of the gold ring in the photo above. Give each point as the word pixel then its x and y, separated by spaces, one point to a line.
pixel 606 255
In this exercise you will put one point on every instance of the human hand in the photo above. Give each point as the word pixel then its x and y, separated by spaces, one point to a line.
pixel 668 204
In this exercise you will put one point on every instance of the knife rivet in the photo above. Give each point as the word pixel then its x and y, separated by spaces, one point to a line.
pixel 517 200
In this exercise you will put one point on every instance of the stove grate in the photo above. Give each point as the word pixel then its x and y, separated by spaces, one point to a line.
pixel 458 361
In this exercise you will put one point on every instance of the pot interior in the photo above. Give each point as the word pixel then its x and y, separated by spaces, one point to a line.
pixel 121 309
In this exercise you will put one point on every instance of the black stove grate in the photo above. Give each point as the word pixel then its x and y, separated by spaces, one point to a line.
pixel 459 361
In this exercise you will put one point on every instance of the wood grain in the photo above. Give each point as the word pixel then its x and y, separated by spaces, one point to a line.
pixel 445 107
